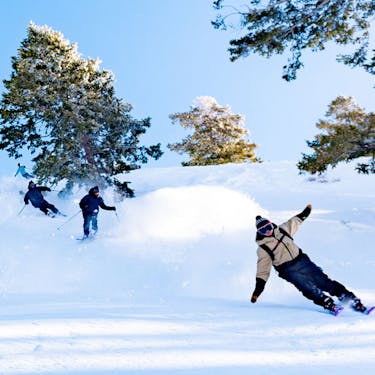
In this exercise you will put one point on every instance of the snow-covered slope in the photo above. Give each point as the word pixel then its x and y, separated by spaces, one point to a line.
pixel 165 285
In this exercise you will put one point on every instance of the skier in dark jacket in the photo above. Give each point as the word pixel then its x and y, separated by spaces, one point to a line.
pixel 90 204
pixel 34 195
pixel 277 249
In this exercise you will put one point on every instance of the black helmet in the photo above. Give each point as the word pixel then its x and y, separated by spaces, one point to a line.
pixel 31 184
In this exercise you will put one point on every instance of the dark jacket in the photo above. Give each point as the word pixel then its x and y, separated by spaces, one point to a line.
pixel 90 204
pixel 35 196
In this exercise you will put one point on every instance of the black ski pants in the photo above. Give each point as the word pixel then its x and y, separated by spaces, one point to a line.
pixel 311 281
pixel 44 206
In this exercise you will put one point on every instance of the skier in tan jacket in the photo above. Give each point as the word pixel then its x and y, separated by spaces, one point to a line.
pixel 277 249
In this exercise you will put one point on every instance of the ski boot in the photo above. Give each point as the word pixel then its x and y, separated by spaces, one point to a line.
pixel 357 305
pixel 370 310
pixel 51 214
pixel 332 307
pixel 336 309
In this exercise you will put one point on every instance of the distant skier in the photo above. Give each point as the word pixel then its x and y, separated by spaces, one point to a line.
pixel 90 204
pixel 34 195
pixel 277 249
pixel 22 171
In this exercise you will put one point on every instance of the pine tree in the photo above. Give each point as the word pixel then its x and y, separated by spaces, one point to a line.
pixel 272 27
pixel 63 109
pixel 218 137
pixel 348 133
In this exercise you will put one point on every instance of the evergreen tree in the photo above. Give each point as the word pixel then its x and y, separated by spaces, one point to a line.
pixel 348 133
pixel 274 26
pixel 218 137
pixel 63 109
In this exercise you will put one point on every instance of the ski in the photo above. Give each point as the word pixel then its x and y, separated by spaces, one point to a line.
pixel 366 311
pixel 338 310
pixel 369 310
pixel 359 307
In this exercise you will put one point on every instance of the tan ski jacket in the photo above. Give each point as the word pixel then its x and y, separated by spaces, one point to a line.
pixel 282 246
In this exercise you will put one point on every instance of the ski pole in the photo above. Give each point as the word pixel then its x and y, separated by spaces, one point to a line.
pixel 68 220
pixel 118 219
pixel 21 210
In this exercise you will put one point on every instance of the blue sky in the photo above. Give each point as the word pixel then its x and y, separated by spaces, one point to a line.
pixel 165 53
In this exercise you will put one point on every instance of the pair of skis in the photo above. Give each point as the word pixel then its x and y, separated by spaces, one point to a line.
pixel 52 214
pixel 90 237
pixel 338 310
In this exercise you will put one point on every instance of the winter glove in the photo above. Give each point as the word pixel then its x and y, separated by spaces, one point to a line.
pixel 113 208
pixel 305 213
pixel 259 287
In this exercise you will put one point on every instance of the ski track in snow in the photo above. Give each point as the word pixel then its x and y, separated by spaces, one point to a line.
pixel 121 338
pixel 165 286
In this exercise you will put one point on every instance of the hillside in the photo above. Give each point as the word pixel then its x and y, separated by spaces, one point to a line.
pixel 165 285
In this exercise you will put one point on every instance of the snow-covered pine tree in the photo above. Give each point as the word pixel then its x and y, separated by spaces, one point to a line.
pixel 272 27
pixel 63 108
pixel 218 137
pixel 347 134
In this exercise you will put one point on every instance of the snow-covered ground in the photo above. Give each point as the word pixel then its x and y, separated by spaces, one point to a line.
pixel 165 286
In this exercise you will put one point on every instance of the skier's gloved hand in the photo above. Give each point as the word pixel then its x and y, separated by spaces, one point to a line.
pixel 48 189
pixel 305 213
pixel 113 208
pixel 259 287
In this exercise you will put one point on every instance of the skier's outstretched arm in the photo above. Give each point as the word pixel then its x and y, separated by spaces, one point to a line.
pixel 105 207
pixel 293 224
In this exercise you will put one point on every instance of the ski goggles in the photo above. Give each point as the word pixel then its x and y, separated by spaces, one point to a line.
pixel 265 228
